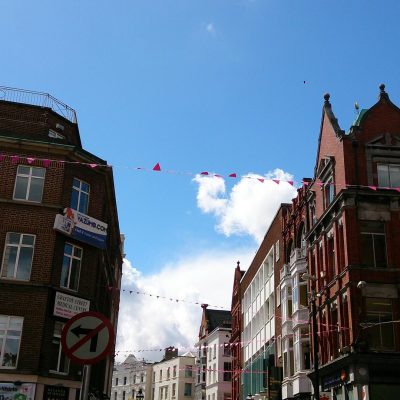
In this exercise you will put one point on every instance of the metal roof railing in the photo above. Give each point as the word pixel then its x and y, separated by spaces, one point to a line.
pixel 38 99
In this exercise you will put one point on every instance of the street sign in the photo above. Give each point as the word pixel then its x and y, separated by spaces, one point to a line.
pixel 87 337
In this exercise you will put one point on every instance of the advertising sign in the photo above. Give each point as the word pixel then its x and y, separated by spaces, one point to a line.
pixel 10 391
pixel 66 306
pixel 82 227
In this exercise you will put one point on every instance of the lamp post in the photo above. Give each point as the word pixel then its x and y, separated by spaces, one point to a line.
pixel 139 395
pixel 313 279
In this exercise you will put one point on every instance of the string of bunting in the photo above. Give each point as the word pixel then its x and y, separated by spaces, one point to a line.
pixel 156 296
pixel 225 345
pixel 48 163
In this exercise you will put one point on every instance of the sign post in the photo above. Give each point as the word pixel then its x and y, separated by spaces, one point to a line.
pixel 86 339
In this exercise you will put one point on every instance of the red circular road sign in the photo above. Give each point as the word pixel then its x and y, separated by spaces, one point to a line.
pixel 87 337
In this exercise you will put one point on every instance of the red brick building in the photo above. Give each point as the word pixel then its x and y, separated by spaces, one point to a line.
pixel 353 253
pixel 258 294
pixel 48 271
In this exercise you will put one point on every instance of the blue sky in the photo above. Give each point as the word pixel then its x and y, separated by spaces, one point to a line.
pixel 212 85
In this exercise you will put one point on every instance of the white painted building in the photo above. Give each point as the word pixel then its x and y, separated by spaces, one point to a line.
pixel 128 378
pixel 213 360
pixel 173 378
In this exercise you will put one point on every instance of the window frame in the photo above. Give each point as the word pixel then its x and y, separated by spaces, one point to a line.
pixel 388 178
pixel 19 246
pixel 72 257
pixel 29 176
pixel 57 337
pixel 5 336
pixel 81 194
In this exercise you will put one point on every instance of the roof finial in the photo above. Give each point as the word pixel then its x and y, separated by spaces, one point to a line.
pixel 383 94
pixel 327 97
pixel 238 264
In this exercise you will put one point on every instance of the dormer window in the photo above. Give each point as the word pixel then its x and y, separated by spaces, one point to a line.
pixel 388 175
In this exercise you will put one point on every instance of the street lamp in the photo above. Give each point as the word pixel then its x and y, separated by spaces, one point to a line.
pixel 313 278
pixel 139 395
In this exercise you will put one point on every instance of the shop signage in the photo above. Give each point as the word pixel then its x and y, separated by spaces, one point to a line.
pixel 55 393
pixel 12 391
pixel 66 306
pixel 82 227
pixel 332 381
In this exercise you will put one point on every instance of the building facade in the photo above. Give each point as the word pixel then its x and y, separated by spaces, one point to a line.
pixel 353 254
pixel 130 379
pixel 294 343
pixel 261 375
pixel 213 360
pixel 60 246
pixel 236 337
pixel 173 378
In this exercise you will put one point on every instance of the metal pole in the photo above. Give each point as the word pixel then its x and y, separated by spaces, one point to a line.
pixel 87 369
pixel 315 347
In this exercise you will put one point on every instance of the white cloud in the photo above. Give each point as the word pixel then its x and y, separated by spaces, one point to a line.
pixel 210 28
pixel 250 206
pixel 149 323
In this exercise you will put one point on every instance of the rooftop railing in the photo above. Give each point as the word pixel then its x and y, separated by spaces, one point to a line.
pixel 38 99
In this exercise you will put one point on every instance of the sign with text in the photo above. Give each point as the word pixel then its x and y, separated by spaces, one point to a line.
pixel 66 306
pixel 55 393
pixel 11 391
pixel 82 227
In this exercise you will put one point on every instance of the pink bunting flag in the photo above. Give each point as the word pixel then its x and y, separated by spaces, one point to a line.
pixel 93 165
pixel 398 189
pixel 290 182
pixel 204 173
pixel 319 183
pixel 1 157
pixel 46 163
pixel 277 181
pixel 305 183
pixel 14 159
pixel 157 167
pixel 372 187
pixel 261 180
pixel 233 175
pixel 30 160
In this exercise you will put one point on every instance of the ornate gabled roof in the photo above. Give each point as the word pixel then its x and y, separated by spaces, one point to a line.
pixel 218 319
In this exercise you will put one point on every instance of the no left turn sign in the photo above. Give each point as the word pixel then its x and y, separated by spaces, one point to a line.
pixel 87 337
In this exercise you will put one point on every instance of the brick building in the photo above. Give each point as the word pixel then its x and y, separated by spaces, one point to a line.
pixel 261 313
pixel 236 337
pixel 53 266
pixel 353 255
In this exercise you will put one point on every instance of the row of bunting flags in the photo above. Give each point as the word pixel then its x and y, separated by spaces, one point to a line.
pixel 49 163
pixel 224 345
pixel 156 296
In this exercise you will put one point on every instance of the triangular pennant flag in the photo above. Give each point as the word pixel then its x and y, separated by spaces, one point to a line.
pixel 320 183
pixel 130 292
pixel 305 183
pixel 157 167
pixel 204 173
pixel 93 165
pixel 261 180
pixel 290 182
pixel 233 175
pixel 218 176
pixel 30 160
pixel 14 159
pixel 277 181
pixel 398 189
pixel 372 187
pixel 46 163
